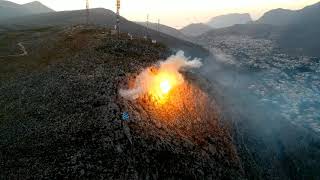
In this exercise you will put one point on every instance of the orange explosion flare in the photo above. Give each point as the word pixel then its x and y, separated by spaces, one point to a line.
pixel 158 82
pixel 162 83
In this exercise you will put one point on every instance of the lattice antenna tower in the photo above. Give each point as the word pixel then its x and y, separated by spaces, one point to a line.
pixel 158 27
pixel 87 11
pixel 118 5
pixel 147 33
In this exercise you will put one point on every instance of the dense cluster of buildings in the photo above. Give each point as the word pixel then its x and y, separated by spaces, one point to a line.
pixel 291 83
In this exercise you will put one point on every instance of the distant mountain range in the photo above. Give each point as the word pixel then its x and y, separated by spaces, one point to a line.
pixel 195 29
pixel 280 17
pixel 296 32
pixel 9 9
pixel 36 7
pixel 229 20
pixel 258 31
pixel 277 17
pixel 222 21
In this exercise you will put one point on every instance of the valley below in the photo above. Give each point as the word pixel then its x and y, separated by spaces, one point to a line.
pixel 273 100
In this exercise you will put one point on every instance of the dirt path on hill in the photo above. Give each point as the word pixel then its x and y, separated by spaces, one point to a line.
pixel 22 48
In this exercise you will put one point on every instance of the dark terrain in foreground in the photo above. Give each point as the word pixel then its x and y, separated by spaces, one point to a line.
pixel 60 113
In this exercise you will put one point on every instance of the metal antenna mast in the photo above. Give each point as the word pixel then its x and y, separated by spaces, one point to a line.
pixel 87 12
pixel 158 28
pixel 118 17
pixel 147 26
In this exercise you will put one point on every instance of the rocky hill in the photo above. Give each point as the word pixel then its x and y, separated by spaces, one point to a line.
pixel 36 7
pixel 229 20
pixel 61 112
pixel 195 29
pixel 10 10
pixel 283 17
pixel 277 17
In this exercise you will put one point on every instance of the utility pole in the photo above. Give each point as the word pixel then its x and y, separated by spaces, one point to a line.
pixel 147 26
pixel 118 17
pixel 158 27
pixel 87 12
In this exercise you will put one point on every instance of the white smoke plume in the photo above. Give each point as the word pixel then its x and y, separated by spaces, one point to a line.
pixel 145 80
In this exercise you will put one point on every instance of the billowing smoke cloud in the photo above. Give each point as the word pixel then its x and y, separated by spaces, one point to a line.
pixel 170 67
pixel 179 61
pixel 222 57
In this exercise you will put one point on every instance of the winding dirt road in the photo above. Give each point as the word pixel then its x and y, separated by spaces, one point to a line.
pixel 23 49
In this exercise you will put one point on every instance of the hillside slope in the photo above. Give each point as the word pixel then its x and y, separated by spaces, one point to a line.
pixel 61 114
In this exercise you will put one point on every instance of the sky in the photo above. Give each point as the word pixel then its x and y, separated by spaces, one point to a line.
pixel 178 13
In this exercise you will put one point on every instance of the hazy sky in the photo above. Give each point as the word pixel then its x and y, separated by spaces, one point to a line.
pixel 177 13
